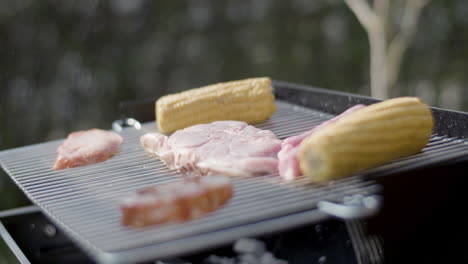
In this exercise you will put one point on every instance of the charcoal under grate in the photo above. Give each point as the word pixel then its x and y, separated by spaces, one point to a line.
pixel 83 201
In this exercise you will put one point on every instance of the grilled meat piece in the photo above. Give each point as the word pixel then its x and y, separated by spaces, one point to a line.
pixel 181 200
pixel 225 147
pixel 87 147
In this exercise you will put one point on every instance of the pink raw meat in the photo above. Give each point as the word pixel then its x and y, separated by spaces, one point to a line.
pixel 86 147
pixel 225 147
pixel 288 165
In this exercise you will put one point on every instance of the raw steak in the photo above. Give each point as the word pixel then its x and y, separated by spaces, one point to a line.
pixel 180 200
pixel 225 147
pixel 86 147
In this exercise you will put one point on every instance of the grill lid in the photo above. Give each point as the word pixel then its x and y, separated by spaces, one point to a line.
pixel 82 201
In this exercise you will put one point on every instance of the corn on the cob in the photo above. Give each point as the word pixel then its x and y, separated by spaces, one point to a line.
pixel 366 138
pixel 249 100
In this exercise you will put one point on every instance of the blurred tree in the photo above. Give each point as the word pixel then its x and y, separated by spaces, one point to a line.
pixel 390 26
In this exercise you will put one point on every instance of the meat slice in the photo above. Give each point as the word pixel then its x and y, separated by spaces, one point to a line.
pixel 288 165
pixel 224 147
pixel 182 200
pixel 86 147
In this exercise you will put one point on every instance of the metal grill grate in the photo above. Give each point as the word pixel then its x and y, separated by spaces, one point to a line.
pixel 82 201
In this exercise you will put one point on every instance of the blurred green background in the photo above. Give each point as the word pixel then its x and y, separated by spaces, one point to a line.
pixel 65 65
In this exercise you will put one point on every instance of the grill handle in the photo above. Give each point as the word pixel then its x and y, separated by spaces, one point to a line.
pixel 353 207
pixel 118 125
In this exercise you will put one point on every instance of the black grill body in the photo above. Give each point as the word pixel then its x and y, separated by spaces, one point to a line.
pixel 327 242
pixel 422 219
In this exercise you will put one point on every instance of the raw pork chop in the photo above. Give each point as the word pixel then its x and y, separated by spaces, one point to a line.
pixel 288 165
pixel 181 200
pixel 86 147
pixel 224 147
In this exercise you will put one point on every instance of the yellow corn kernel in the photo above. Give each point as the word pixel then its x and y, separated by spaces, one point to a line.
pixel 249 100
pixel 371 136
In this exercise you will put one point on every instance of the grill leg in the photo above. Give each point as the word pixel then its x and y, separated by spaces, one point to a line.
pixel 368 249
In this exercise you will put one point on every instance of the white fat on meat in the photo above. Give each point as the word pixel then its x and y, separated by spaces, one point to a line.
pixel 231 148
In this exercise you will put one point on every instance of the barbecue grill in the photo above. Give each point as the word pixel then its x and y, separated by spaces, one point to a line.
pixel 82 202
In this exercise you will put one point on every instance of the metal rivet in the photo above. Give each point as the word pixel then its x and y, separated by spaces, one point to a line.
pixel 50 230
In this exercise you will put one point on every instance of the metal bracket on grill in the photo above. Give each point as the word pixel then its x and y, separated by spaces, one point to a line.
pixel 118 125
pixel 356 206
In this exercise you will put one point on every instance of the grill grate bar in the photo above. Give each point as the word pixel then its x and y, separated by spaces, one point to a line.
pixel 427 157
pixel 99 177
pixel 47 163
pixel 49 155
pixel 256 213
pixel 78 198
pixel 97 169
pixel 304 121
pixel 242 188
pixel 126 173
pixel 140 160
pixel 112 219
